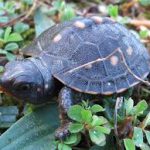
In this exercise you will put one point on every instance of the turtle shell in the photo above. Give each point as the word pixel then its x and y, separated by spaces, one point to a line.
pixel 95 55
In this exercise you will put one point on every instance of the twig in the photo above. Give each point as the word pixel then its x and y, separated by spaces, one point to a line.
pixel 117 106
pixel 145 41
pixel 21 17
pixel 146 90
pixel 12 22
pixel 32 9
pixel 138 23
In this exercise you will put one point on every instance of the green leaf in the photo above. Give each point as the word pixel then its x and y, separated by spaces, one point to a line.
pixel 144 33
pixel 68 13
pixel 146 121
pixel 97 137
pixel 129 144
pixel 62 146
pixel 73 139
pixel 7 33
pixel 11 47
pixel 147 133
pixel 138 136
pixel 123 20
pixel 3 52
pixel 103 129
pixel 28 2
pixel 129 105
pixel 1 33
pixel 145 147
pixel 86 116
pixel 76 127
pixel 42 22
pixel 21 27
pixel 14 37
pixel 96 108
pixel 10 56
pixel 4 19
pixel 113 11
pixel 1 69
pixel 74 113
pixel 33 131
pixel 1 3
pixel 59 4
pixel 110 144
pixel 10 7
pixel 96 121
pixel 140 108
pixel 8 116
pixel 145 2
pixel 1 42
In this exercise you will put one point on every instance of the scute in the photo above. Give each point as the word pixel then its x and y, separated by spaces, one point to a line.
pixel 41 43
pixel 92 59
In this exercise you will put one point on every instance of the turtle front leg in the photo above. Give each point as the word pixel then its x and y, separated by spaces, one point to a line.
pixel 65 102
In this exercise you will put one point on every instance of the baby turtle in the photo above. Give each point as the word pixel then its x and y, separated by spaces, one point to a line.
pixel 89 56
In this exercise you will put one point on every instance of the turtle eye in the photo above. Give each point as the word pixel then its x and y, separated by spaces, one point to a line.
pixel 22 87
pixel 25 87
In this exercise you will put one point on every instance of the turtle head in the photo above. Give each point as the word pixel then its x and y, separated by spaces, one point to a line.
pixel 23 80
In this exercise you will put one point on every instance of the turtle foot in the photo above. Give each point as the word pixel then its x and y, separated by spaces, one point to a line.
pixel 62 132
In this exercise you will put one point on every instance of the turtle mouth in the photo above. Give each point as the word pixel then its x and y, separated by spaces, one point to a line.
pixel 3 90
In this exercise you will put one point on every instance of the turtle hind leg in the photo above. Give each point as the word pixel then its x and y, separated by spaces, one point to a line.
pixel 65 102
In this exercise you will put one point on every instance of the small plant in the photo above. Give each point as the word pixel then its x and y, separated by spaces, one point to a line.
pixel 10 36
pixel 113 11
pixel 65 11
pixel 139 127
pixel 144 2
pixel 144 32
pixel 86 122
pixel 90 122
pixel 7 10
pixel 8 42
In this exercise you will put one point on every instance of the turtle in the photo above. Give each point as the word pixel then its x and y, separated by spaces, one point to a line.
pixel 76 60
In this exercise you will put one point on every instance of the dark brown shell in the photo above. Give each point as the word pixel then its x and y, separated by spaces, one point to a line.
pixel 95 55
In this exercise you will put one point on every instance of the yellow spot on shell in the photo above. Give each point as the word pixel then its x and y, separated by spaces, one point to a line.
pixel 129 51
pixel 114 60
pixel 97 19
pixel 57 38
pixel 79 24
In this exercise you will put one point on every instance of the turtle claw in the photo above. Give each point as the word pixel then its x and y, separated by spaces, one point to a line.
pixel 62 132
